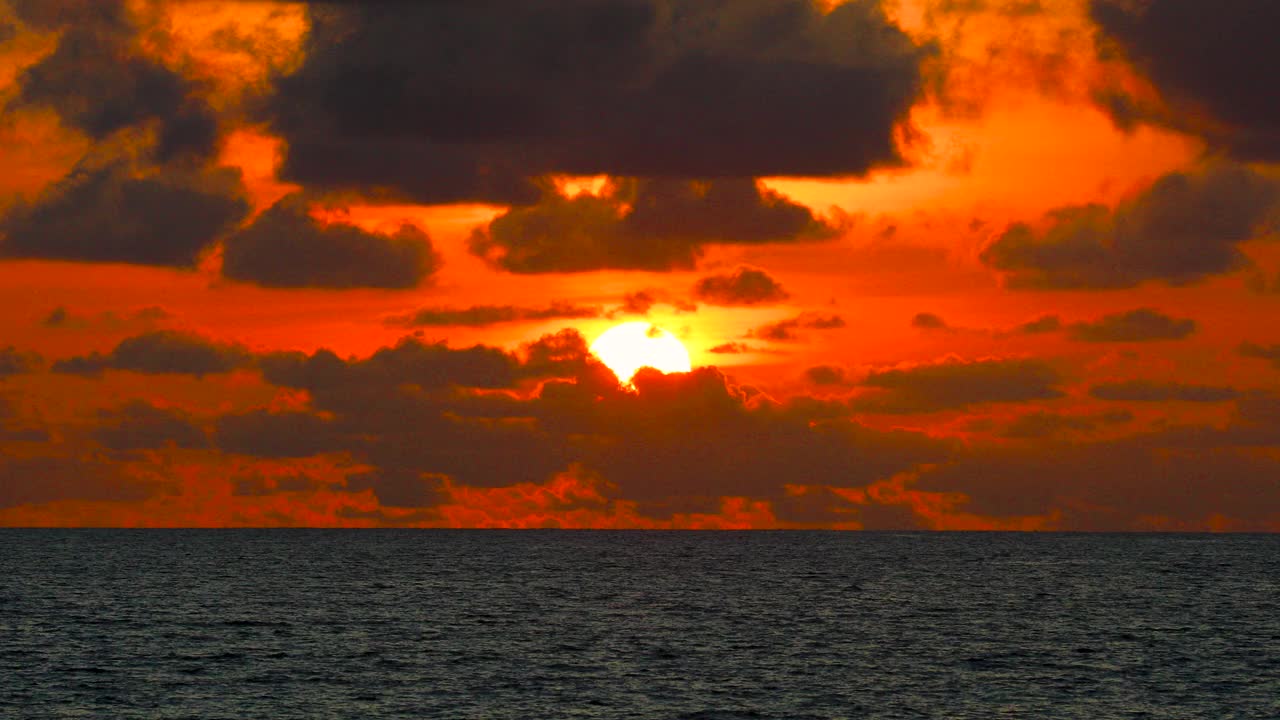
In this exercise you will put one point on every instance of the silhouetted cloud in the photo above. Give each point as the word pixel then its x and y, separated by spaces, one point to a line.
pixel 1261 352
pixel 1184 228
pixel 14 361
pixel 641 224
pixel 955 384
pixel 928 321
pixel 140 425
pixel 785 330
pixel 447 102
pixel 744 286
pixel 34 480
pixel 162 351
pixel 1141 325
pixel 98 80
pixel 288 248
pixel 825 375
pixel 1149 391
pixel 275 434
pixel 484 315
pixel 1043 424
pixel 1212 68
pixel 1042 324
pixel 730 348
pixel 118 214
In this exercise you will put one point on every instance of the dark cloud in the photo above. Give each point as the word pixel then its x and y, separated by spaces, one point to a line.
pixel 1261 352
pixel 785 330
pixel 117 214
pixel 730 348
pixel 447 102
pixel 678 441
pixel 1122 484
pixel 484 315
pixel 744 286
pixel 161 351
pixel 825 375
pixel 642 225
pixel 1041 325
pixel 1042 424
pixel 956 384
pixel 275 434
pixel 14 361
pixel 1141 325
pixel 98 80
pixel 398 488
pixel 1149 391
pixel 1184 228
pixel 286 247
pixel 142 426
pixel 928 321
pixel 38 480
pixel 257 486
pixel 1213 67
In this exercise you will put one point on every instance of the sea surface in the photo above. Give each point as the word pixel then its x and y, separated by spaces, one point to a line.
pixel 587 624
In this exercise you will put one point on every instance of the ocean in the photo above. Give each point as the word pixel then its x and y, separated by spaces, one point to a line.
pixel 599 624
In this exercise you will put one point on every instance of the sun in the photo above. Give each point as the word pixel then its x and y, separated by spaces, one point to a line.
pixel 626 348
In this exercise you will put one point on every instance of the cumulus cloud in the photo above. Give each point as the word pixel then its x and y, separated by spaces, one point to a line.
pixel 99 81
pixel 485 315
pixel 730 348
pixel 785 330
pixel 1043 424
pixel 1149 391
pixel 448 102
pixel 1184 228
pixel 929 321
pixel 14 361
pixel 642 224
pixel 159 352
pixel 140 425
pixel 1141 325
pixel 1261 352
pixel 744 286
pixel 116 213
pixel 825 375
pixel 1211 68
pixel 955 384
pixel 286 247
pixel 275 434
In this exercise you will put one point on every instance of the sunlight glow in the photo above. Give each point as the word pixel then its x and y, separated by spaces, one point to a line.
pixel 630 346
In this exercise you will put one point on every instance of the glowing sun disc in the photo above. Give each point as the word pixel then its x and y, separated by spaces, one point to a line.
pixel 626 348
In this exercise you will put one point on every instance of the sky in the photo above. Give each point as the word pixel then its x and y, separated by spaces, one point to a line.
pixel 937 264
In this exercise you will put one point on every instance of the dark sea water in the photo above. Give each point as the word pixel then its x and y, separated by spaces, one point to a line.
pixel 496 624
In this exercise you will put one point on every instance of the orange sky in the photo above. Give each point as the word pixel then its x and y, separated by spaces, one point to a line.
pixel 943 265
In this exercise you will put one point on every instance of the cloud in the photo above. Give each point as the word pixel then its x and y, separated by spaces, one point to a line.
pixel 14 361
pixel 485 315
pixel 1041 424
pixel 744 286
pixel 1149 391
pixel 161 351
pixel 1261 352
pixel 929 321
pixel 118 214
pixel 1141 325
pixel 1041 325
pixel 1212 70
pixel 955 384
pixel 730 348
pixel 642 224
pixel 785 330
pixel 825 375
pixel 1184 228
pixel 99 82
pixel 285 247
pixel 449 102
pixel 140 425
pixel 35 480
pixel 275 434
